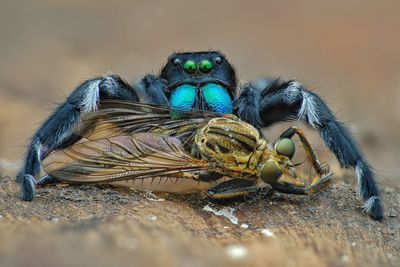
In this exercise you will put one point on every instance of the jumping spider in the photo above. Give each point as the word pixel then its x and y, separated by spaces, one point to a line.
pixel 207 81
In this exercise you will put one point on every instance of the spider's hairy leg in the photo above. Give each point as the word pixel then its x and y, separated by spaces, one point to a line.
pixel 56 131
pixel 151 90
pixel 281 100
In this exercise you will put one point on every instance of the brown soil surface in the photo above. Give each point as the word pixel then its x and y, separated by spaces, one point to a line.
pixel 106 226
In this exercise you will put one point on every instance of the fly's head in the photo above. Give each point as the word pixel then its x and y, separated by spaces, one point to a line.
pixel 199 80
pixel 278 162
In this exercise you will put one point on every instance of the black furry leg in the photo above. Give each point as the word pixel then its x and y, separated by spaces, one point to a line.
pixel 288 100
pixel 28 185
pixel 338 139
pixel 247 106
pixel 57 131
pixel 151 90
pixel 47 180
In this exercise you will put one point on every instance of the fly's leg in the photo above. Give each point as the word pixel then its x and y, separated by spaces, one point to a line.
pixel 208 177
pixel 297 189
pixel 311 156
pixel 286 147
pixel 233 189
pixel 289 188
pixel 276 100
pixel 318 182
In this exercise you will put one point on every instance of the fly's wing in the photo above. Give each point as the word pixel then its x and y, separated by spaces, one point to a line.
pixel 138 156
pixel 114 118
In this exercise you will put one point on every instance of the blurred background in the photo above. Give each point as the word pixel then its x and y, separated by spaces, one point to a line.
pixel 347 51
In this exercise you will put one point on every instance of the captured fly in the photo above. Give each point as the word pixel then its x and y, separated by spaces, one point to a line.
pixel 133 143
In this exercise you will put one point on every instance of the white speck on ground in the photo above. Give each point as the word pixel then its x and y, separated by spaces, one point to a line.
pixel 226 212
pixel 236 252
pixel 345 258
pixel 244 225
pixel 267 233
pixel 152 197
pixel 153 218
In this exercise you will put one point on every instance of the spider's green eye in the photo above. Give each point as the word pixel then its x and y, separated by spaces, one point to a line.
pixel 189 66
pixel 205 66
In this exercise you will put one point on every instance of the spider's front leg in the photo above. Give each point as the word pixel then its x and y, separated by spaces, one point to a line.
pixel 56 131
pixel 278 100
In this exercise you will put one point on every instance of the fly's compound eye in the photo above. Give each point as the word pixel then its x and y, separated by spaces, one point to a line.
pixel 270 172
pixel 176 61
pixel 205 66
pixel 285 146
pixel 189 66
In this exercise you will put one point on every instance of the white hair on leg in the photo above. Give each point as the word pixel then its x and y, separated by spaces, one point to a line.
pixel 293 91
pixel 110 80
pixel 308 110
pixel 369 204
pixel 92 97
pixel 38 147
pixel 359 174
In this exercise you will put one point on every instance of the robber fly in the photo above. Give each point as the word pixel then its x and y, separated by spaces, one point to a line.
pixel 125 141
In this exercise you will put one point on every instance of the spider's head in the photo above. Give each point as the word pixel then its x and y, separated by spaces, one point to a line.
pixel 200 80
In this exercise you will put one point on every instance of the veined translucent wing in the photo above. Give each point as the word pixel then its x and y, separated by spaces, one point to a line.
pixel 115 118
pixel 123 157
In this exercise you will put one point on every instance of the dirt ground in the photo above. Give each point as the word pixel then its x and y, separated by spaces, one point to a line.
pixel 105 226
pixel 345 50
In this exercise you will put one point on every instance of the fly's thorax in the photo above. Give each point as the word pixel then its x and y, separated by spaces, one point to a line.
pixel 232 143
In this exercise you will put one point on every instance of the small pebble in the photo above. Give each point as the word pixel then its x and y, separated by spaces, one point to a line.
pixel 236 252
pixel 267 233
pixel 153 218
pixel 344 258
pixel 244 225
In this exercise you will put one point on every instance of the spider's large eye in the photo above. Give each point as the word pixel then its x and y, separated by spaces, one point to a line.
pixel 205 66
pixel 217 98
pixel 182 99
pixel 176 61
pixel 189 66
pixel 270 172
